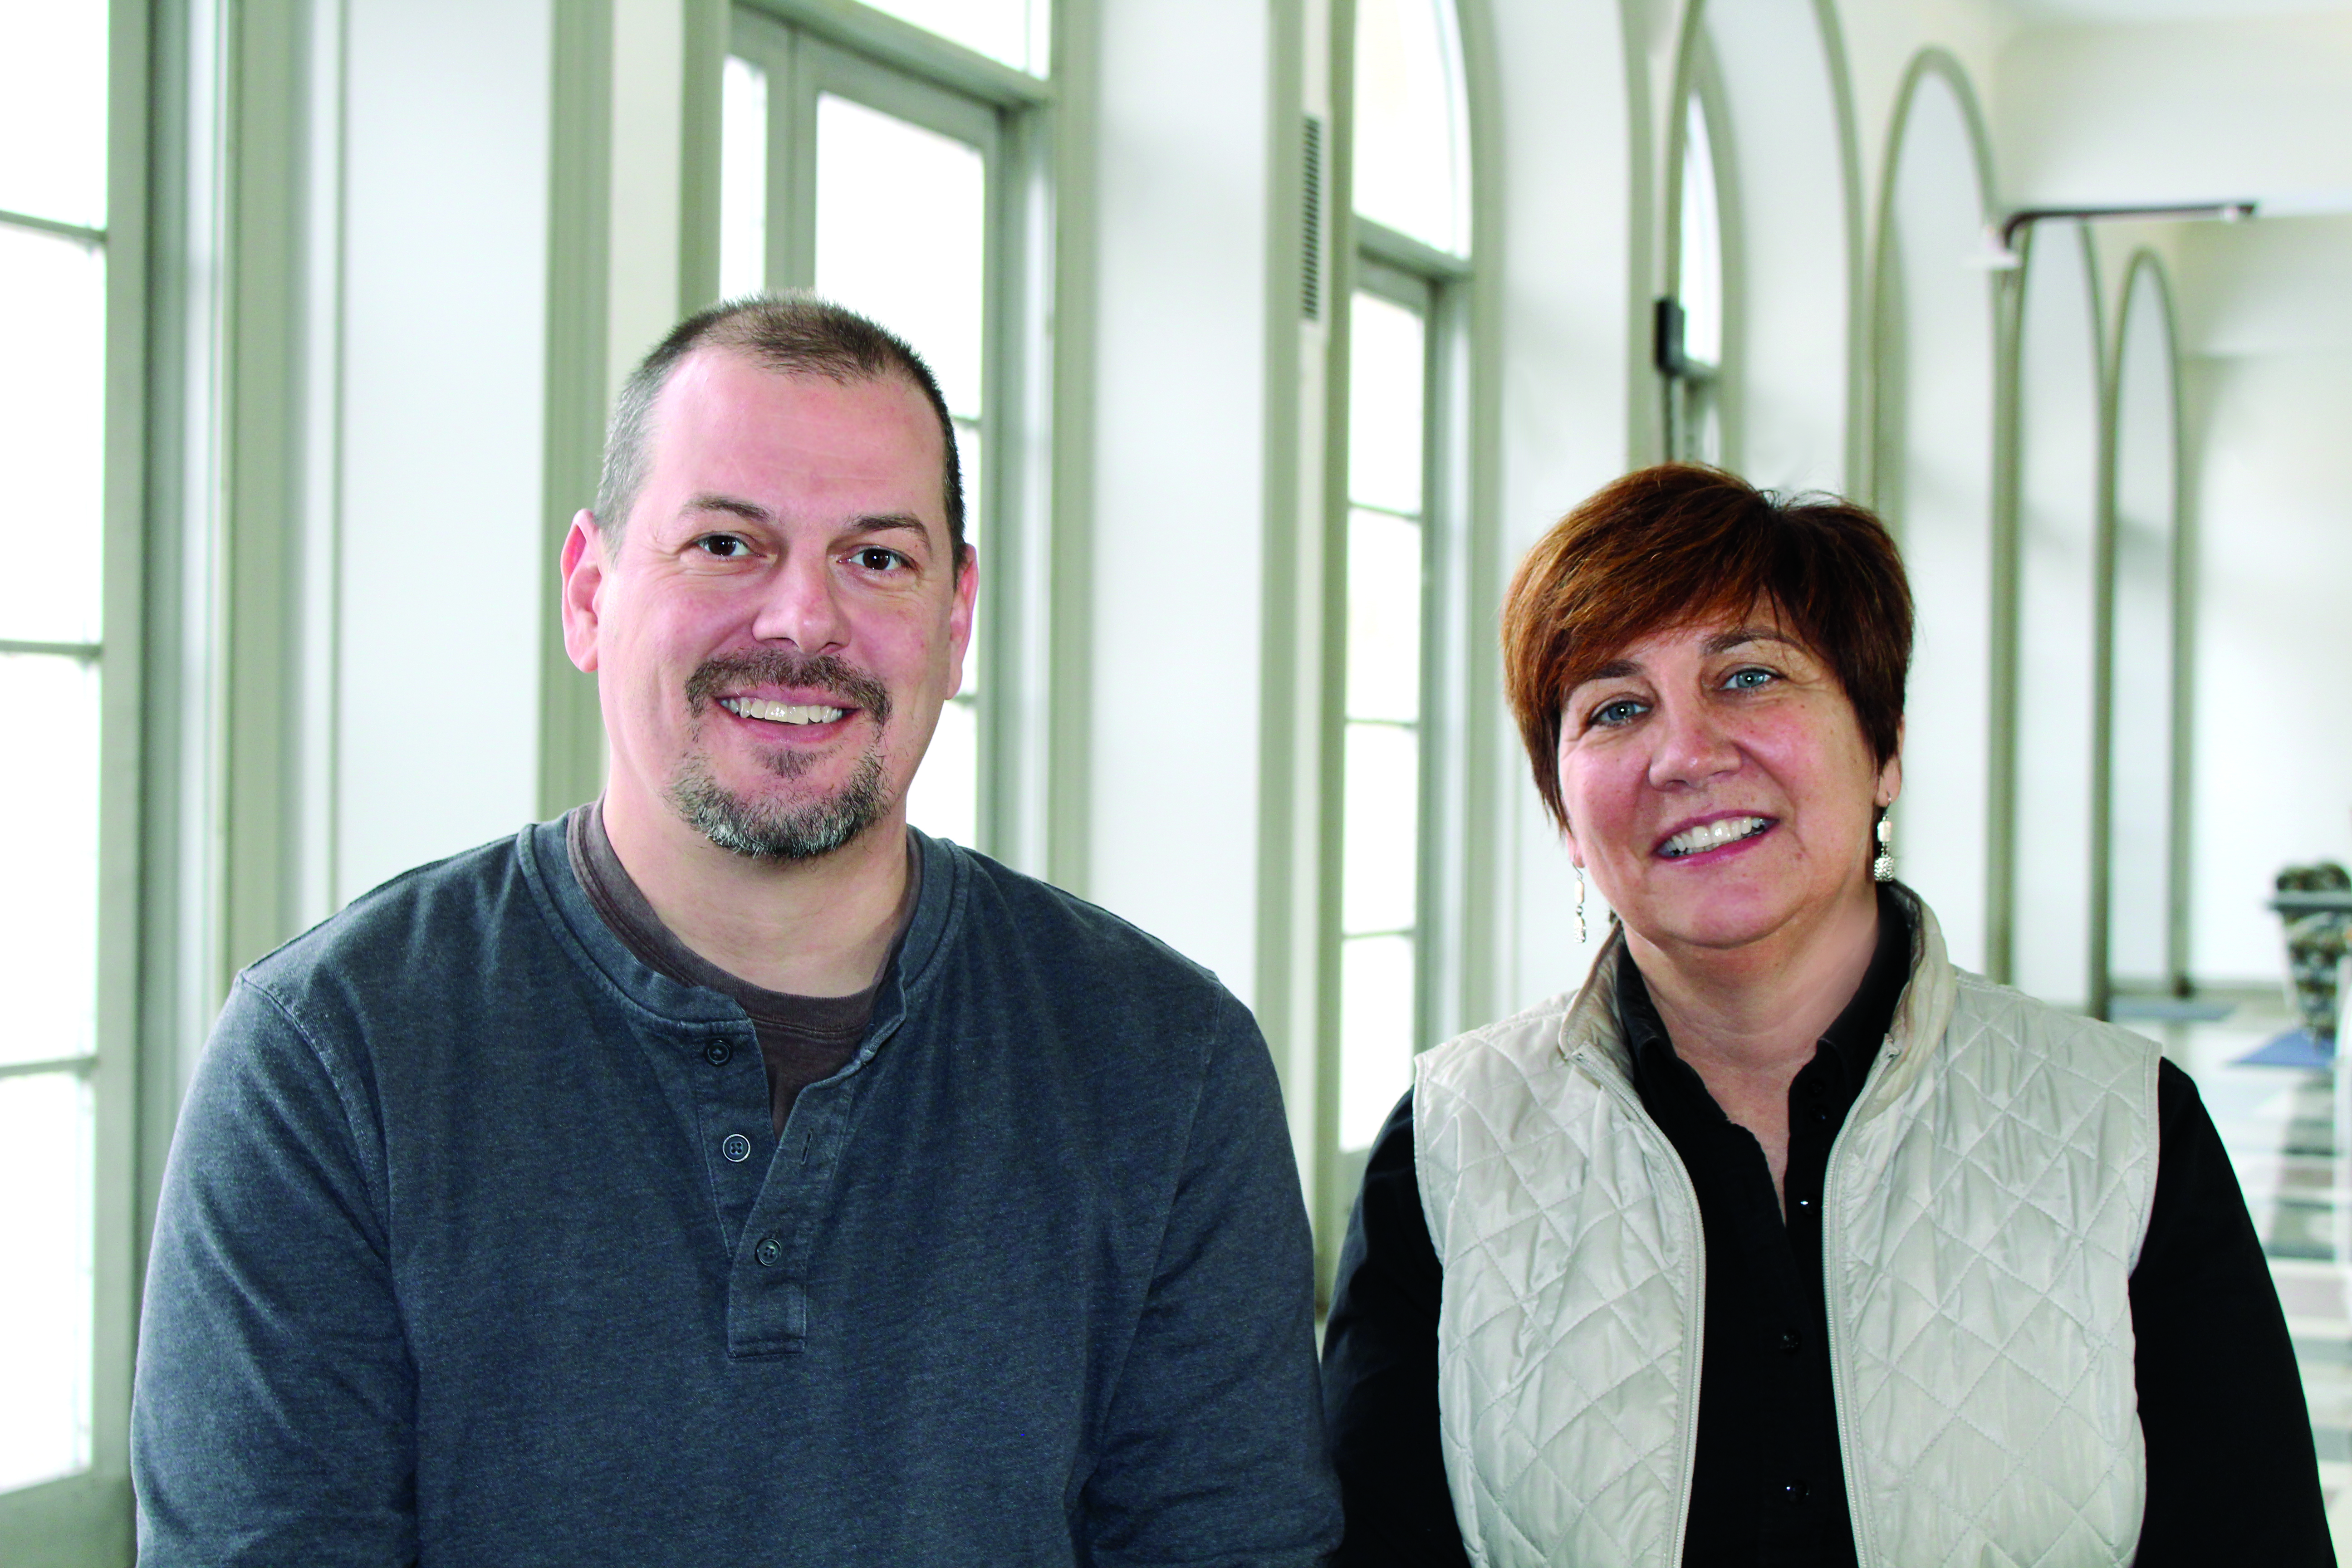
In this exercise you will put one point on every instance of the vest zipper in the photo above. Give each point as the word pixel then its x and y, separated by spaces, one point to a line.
pixel 1858 1522
pixel 1694 1348
pixel 1694 1337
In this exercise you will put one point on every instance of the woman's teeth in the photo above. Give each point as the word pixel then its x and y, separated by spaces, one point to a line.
pixel 780 712
pixel 1713 836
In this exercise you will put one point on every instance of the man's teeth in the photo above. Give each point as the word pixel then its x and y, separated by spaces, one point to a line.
pixel 1712 836
pixel 780 712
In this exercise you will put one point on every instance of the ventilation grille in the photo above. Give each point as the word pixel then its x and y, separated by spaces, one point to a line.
pixel 1310 292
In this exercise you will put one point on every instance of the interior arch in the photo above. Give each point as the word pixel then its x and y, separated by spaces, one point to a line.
pixel 1786 166
pixel 1934 481
pixel 2143 934
pixel 2058 435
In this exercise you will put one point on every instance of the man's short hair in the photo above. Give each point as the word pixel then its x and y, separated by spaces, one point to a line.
pixel 1667 545
pixel 791 334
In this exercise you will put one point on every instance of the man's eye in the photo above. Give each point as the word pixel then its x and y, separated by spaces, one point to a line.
pixel 875 557
pixel 723 547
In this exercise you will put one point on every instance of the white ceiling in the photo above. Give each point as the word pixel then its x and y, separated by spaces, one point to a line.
pixel 2171 10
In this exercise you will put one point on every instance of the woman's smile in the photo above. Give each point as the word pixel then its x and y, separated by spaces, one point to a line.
pixel 1713 839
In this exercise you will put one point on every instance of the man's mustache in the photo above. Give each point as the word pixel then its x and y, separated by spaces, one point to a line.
pixel 782 667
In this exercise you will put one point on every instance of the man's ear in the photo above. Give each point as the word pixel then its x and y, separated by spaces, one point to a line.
pixel 959 611
pixel 583 583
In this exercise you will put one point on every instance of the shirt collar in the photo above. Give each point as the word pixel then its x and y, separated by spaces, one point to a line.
pixel 1853 1038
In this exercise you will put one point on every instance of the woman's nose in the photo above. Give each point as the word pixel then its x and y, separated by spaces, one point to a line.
pixel 1694 745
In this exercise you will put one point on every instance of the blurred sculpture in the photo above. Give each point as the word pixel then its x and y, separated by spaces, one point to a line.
pixel 2315 940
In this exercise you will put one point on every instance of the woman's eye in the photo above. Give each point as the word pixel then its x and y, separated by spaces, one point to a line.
pixel 1623 711
pixel 1750 679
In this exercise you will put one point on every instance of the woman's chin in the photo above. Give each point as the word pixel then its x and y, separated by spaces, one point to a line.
pixel 1718 919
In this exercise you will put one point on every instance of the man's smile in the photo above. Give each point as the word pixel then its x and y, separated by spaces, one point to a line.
pixel 781 712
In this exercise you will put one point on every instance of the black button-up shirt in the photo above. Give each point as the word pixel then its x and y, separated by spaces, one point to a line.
pixel 2231 1477
pixel 1768 1487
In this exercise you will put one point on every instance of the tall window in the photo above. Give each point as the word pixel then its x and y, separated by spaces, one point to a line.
pixel 52 347
pixel 885 189
pixel 1412 226
pixel 1692 355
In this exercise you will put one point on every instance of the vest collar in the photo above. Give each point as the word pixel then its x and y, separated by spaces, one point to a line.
pixel 1589 1035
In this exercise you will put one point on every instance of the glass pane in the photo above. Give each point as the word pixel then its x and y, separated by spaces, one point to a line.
pixel 52 436
pixel 47 1170
pixel 1376 986
pixel 901 235
pixel 1382 835
pixel 1700 285
pixel 742 180
pixel 944 799
pixel 1386 372
pixel 1383 616
pixel 52 110
pixel 1013 31
pixel 49 798
pixel 1408 140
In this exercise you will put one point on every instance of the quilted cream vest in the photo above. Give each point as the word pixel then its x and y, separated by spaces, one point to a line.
pixel 1983 1209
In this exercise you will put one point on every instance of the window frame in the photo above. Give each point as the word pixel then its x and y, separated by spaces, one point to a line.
pixel 889 65
pixel 87 1515
pixel 1433 285
pixel 1684 383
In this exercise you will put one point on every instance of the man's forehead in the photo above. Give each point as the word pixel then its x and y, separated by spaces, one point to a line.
pixel 715 377
pixel 732 433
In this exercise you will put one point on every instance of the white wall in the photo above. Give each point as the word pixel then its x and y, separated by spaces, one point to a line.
pixel 2059 386
pixel 1937 492
pixel 1573 322
pixel 1180 404
pixel 2267 402
pixel 2147 508
pixel 445 279
pixel 1792 284
pixel 2192 110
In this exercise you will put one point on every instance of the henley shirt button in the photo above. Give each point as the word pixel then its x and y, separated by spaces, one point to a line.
pixel 718 1053
pixel 1791 1342
pixel 769 1252
pixel 735 1147
pixel 1794 1492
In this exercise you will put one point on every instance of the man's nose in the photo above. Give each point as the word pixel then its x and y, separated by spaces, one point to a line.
pixel 801 604
pixel 1693 744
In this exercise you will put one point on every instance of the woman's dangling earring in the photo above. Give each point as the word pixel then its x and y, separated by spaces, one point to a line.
pixel 1882 870
pixel 1583 937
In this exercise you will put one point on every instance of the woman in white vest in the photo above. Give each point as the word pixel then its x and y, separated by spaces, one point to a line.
pixel 1783 1241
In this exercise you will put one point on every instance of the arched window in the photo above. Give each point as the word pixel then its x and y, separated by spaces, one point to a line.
pixel 1014 31
pixel 1412 146
pixel 1694 414
pixel 1405 342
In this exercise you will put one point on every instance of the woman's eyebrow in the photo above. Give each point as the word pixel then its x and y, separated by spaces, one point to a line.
pixel 1725 641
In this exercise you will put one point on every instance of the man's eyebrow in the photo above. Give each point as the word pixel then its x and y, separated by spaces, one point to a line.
pixel 734 506
pixel 752 512
pixel 887 521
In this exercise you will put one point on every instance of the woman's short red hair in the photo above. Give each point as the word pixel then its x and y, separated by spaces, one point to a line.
pixel 1677 543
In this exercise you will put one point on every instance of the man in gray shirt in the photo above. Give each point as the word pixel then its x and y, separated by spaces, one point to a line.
pixel 729 1174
